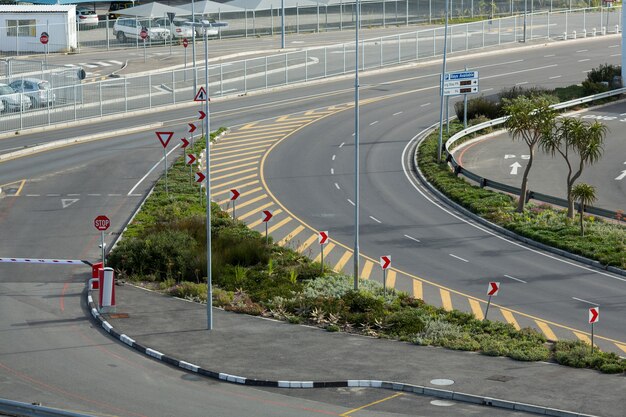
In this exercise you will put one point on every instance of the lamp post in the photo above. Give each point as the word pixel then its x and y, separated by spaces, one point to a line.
pixel 443 74
pixel 356 147
pixel 282 24
pixel 193 45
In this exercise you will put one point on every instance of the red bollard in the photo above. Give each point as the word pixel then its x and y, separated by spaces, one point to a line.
pixel 95 274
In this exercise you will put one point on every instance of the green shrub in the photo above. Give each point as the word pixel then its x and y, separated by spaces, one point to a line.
pixel 332 328
pixel 476 107
pixel 405 322
pixel 605 72
pixel 528 351
pixel 190 291
pixel 578 354
pixel 493 347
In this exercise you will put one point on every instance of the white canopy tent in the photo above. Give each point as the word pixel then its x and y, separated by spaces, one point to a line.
pixel 152 10
pixel 209 7
pixel 257 5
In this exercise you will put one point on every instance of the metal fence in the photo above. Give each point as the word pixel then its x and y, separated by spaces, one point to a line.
pixel 121 95
pixel 303 19
pixel 486 182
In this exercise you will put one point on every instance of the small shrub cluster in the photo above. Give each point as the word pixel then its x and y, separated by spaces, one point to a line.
pixel 579 355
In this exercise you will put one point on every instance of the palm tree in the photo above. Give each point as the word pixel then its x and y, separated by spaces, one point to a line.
pixel 581 138
pixel 529 119
pixel 586 195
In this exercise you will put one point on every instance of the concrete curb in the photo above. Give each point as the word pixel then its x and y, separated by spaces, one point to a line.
pixel 395 386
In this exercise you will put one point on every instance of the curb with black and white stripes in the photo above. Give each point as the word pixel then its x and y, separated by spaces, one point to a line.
pixel 367 383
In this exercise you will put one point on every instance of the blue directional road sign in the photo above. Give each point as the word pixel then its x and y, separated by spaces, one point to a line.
pixel 462 82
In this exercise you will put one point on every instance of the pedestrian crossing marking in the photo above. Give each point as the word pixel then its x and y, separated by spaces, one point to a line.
pixel 446 301
pixel 546 330
pixel 417 289
pixel 233 166
pixel 258 222
pixel 251 201
pixel 290 236
pixel 342 261
pixel 234 174
pixel 476 309
pixel 279 225
pixel 255 211
pixel 247 193
pixel 391 279
pixel 330 246
pixel 367 270
pixel 305 245
pixel 508 316
pixel 237 186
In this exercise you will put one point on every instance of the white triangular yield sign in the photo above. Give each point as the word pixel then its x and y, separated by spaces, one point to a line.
pixel 200 95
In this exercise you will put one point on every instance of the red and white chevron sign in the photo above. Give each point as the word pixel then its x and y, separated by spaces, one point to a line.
pixel 42 261
pixel 493 288
pixel 322 237
pixel 594 315
pixel 385 261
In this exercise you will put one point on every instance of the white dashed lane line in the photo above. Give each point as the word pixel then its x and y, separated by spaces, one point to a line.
pixel 549 56
pixel 555 77
pixel 522 83
pixel 397 113
pixel 613 46
pixel 458 257
pixel 425 104
pixel 516 279
pixel 375 219
pixel 334 156
pixel 373 123
pixel 487 89
pixel 337 186
pixel 582 50
pixel 332 171
pixel 351 202
pixel 412 238
pixel 342 143
pixel 585 301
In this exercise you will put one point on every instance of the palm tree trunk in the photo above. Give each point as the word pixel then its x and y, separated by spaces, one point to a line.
pixel 570 202
pixel 582 224
pixel 524 189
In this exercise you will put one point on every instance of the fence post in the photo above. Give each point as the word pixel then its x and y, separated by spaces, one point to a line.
pixel 245 76
pixel 75 100
pixel 100 96
pixel 340 14
pixel 306 65
pixel 499 31
pixel 417 45
pixel 549 14
pixel 430 14
pixel 566 16
pixel 174 87
pixel 286 70
pixel 17 37
pixel 384 9
pixel 318 18
pixel 381 51
pixel 467 36
pixel 483 31
pixel 125 97
pixel 297 19
pixel 407 12
pixel 266 72
pixel 399 50
pixel 325 60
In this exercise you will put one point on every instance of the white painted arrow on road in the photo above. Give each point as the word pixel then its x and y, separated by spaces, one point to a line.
pixel 621 176
pixel 66 202
pixel 514 167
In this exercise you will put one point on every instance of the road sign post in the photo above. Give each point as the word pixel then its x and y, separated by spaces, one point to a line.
pixel 266 219
pixel 322 238
pixel 164 138
pixel 184 146
pixel 185 45
pixel 385 262
pixel 234 195
pixel 492 291
pixel 102 223
pixel 44 39
pixel 144 35
pixel 199 178
pixel 594 317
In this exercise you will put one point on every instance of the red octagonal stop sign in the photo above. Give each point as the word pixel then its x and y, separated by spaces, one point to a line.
pixel 44 38
pixel 102 223
pixel 185 43
pixel 143 34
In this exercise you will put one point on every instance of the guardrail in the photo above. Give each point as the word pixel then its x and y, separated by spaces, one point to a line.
pixel 486 182
pixel 15 408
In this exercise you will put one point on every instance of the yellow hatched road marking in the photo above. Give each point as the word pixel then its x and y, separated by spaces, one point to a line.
pixel 583 337
pixel 289 118
pixel 446 302
pixel 251 201
pixel 417 289
pixel 233 166
pixel 226 200
pixel 290 235
pixel 229 184
pixel 622 347
pixel 546 330
pixel 268 128
pixel 237 186
pixel 476 309
pixel 279 225
pixel 261 147
pixel 234 174
pixel 391 279
pixel 508 316
pixel 305 245
pixel 367 270
pixel 255 211
pixel 248 126
pixel 234 162
pixel 215 157
pixel 258 222
pixel 245 144
pixel 327 248
pixel 247 135
pixel 342 262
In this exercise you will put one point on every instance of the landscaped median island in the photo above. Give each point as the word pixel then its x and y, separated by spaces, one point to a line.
pixel 164 249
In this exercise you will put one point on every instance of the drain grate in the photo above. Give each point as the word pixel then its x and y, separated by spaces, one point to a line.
pixel 500 378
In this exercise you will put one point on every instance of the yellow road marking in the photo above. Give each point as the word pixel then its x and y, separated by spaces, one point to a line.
pixel 216 158
pixel 247 135
pixel 236 186
pixel 255 211
pixel 417 289
pixel 237 151
pixel 546 330
pixel 623 347
pixel 233 166
pixel 391 279
pixel 19 190
pixel 367 270
pixel 583 337
pixel 234 174
pixel 278 225
pixel 342 262
pixel 258 222
pixel 508 316
pixel 327 248
pixel 290 235
pixel 234 162
pixel 476 309
pixel 291 118
pixel 354 410
pixel 244 144
pixel 226 200
pixel 229 184
pixel 248 126
pixel 266 128
pixel 446 302
pixel 251 201
pixel 305 245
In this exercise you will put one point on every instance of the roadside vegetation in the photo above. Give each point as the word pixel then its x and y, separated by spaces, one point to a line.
pixel 164 249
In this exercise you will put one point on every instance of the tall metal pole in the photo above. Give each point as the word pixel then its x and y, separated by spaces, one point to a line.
pixel 207 137
pixel 282 24
pixel 193 46
pixel 443 74
pixel 623 48
pixel 356 147
pixel 525 14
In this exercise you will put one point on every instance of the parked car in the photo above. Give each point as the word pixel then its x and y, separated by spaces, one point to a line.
pixel 199 20
pixel 116 6
pixel 12 100
pixel 38 91
pixel 1 107
pixel 130 28
pixel 177 28
pixel 86 18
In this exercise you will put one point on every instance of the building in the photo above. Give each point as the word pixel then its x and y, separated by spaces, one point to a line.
pixel 21 27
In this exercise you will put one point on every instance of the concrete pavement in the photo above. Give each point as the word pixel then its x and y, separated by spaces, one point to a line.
pixel 257 348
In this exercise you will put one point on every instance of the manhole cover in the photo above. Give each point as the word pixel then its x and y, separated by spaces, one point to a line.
pixel 500 378
pixel 442 403
pixel 442 382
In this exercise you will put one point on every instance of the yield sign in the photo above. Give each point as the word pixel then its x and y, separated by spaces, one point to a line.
pixel 200 177
pixel 185 143
pixel 322 237
pixel 202 115
pixel 594 315
pixel 268 216
pixel 164 137
pixel 385 261
pixel 200 95
pixel 493 289
pixel 191 158
pixel 192 128
pixel 234 194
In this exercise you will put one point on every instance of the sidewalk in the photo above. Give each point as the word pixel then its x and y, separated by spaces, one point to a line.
pixel 257 348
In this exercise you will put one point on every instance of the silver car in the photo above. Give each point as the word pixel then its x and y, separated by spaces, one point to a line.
pixel 37 90
pixel 12 100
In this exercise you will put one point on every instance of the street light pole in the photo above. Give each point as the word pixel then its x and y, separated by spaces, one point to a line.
pixel 356 147
pixel 443 74
pixel 193 45
pixel 282 24
pixel 525 14
pixel 207 137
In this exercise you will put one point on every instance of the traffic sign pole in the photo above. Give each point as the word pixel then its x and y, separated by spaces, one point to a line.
pixel 487 309
pixel 102 245
pixel 492 290
pixel 384 283
pixel 165 157
pixel 592 338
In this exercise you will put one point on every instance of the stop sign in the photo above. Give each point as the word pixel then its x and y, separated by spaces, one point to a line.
pixel 185 43
pixel 102 223
pixel 44 38
pixel 143 34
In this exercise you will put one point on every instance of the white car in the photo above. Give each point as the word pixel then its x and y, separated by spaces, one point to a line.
pixel 199 21
pixel 130 28
pixel 177 28
pixel 12 100
pixel 86 18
